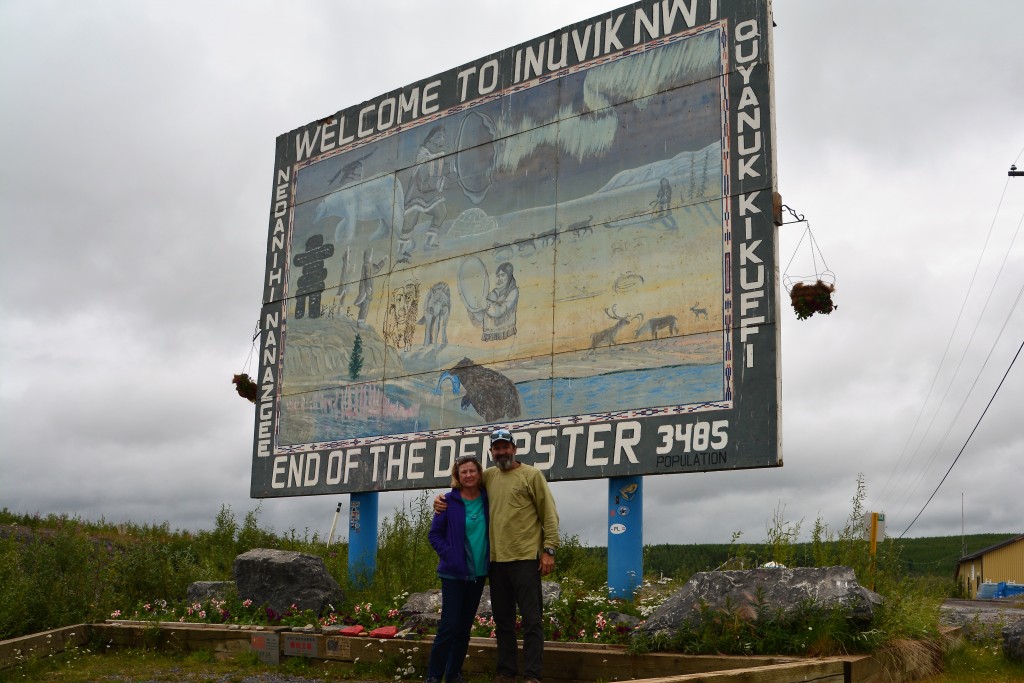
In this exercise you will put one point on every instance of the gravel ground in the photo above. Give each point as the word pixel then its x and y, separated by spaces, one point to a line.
pixel 207 678
pixel 981 619
pixel 181 677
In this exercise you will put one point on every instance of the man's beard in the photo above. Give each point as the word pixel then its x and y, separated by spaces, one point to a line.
pixel 503 463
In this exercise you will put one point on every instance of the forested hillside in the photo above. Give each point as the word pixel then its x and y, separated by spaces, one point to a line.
pixel 933 556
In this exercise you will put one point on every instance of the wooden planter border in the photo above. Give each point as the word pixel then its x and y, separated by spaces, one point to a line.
pixel 563 662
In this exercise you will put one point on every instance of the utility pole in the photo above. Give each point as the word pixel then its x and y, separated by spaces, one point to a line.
pixel 963 538
pixel 1014 172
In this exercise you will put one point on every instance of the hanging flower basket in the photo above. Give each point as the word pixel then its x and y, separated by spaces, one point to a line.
pixel 245 387
pixel 810 299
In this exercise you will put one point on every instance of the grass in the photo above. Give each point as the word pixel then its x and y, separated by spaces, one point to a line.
pixel 978 663
pixel 65 571
pixel 87 665
pixel 90 664
pixel 967 663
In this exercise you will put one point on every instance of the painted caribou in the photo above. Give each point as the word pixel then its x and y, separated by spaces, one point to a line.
pixel 654 325
pixel 606 337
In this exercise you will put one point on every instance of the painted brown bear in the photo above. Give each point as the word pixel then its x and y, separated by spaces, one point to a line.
pixel 492 395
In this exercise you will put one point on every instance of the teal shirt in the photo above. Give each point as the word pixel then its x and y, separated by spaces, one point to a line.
pixel 476 535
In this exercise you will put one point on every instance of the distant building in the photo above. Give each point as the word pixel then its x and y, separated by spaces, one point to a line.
pixel 1000 562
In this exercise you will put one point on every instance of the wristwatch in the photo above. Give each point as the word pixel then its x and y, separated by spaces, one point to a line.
pixel 549 551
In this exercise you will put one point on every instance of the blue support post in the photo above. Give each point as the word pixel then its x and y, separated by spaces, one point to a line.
pixel 362 538
pixel 625 536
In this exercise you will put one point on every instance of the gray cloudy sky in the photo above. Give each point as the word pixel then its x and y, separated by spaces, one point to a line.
pixel 137 143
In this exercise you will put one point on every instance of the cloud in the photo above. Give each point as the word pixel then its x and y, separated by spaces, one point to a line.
pixel 139 145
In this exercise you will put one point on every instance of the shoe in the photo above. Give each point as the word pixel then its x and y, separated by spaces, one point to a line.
pixel 502 678
pixel 532 680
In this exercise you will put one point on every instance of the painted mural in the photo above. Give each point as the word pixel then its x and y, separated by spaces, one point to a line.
pixel 553 253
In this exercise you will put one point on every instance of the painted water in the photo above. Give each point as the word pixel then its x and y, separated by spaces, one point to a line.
pixel 667 386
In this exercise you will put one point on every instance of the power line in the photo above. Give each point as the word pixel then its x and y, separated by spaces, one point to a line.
pixel 886 489
pixel 977 424
pixel 949 428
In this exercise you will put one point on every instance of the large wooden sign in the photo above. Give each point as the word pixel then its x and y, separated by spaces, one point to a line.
pixel 572 238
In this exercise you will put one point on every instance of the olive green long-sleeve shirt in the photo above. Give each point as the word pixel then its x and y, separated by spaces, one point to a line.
pixel 524 519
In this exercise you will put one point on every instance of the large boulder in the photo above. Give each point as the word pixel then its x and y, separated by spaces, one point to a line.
pixel 550 592
pixel 203 591
pixel 426 621
pixel 780 591
pixel 1013 641
pixel 976 625
pixel 422 603
pixel 420 606
pixel 281 578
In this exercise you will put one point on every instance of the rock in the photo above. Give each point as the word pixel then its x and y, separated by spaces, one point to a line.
pixel 976 625
pixel 617 619
pixel 202 591
pixel 484 608
pixel 550 590
pixel 428 621
pixel 281 578
pixel 421 603
pixel 781 590
pixel 1013 641
pixel 429 602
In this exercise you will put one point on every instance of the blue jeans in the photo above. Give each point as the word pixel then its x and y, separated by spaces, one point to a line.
pixel 517 584
pixel 459 602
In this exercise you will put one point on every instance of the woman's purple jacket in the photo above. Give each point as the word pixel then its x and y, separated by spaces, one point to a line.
pixel 448 536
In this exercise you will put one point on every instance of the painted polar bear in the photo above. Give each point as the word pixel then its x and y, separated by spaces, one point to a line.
pixel 380 199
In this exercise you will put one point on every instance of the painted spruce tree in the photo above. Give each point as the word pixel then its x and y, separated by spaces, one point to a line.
pixel 355 361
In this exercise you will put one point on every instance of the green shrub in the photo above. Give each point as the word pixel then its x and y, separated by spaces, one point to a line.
pixel 578 562
pixel 57 571
pixel 406 562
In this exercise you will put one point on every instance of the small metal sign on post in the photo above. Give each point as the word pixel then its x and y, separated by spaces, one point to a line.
pixel 874 529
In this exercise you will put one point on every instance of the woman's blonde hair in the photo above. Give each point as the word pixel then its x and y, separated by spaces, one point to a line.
pixel 462 460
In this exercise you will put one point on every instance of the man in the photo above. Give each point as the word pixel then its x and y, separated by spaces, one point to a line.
pixel 524 535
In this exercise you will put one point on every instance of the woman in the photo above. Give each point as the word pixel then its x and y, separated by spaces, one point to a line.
pixel 459 535
pixel 499 320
